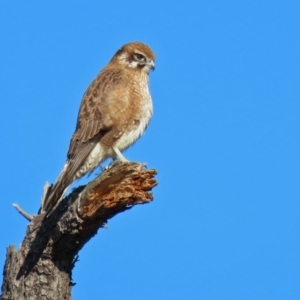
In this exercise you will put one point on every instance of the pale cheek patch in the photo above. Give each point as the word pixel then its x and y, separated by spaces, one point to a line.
pixel 123 60
pixel 132 64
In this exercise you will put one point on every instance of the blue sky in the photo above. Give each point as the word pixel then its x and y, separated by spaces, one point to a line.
pixel 224 138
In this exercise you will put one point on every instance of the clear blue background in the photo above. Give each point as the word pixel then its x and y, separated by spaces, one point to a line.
pixel 224 138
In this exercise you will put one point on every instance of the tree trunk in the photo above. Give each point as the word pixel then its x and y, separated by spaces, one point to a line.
pixel 42 267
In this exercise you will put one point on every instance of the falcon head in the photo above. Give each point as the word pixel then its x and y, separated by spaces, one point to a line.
pixel 137 56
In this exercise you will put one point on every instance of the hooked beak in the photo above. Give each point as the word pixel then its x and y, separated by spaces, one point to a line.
pixel 151 65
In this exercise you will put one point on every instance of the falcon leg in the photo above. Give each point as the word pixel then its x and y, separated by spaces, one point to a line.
pixel 120 155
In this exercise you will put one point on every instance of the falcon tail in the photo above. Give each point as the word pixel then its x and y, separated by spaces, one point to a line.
pixel 56 192
pixel 87 157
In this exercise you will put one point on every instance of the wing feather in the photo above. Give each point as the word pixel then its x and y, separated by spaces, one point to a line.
pixel 95 118
pixel 94 115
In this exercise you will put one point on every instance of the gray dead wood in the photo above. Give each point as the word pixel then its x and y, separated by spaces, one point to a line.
pixel 42 268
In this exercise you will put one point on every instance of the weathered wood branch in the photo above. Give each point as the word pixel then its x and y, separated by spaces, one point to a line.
pixel 42 267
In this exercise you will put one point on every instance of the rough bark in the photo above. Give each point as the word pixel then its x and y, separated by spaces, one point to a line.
pixel 42 267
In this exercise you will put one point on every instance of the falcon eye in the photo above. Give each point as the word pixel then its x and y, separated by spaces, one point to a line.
pixel 139 57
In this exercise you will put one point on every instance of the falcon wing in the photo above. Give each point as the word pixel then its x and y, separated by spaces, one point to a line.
pixel 95 115
pixel 100 107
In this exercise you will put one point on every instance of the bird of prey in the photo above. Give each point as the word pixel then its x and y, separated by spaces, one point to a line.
pixel 114 112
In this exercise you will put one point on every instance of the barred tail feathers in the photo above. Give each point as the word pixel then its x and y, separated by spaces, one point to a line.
pixel 57 190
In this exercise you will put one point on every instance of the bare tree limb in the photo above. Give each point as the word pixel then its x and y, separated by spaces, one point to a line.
pixel 22 212
pixel 42 267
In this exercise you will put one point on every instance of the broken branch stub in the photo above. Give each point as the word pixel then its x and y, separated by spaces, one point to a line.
pixel 116 189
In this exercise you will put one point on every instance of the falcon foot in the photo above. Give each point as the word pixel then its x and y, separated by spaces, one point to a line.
pixel 26 215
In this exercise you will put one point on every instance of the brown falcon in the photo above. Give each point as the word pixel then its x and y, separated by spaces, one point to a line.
pixel 114 112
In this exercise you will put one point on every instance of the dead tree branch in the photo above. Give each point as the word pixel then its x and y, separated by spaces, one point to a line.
pixel 42 267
